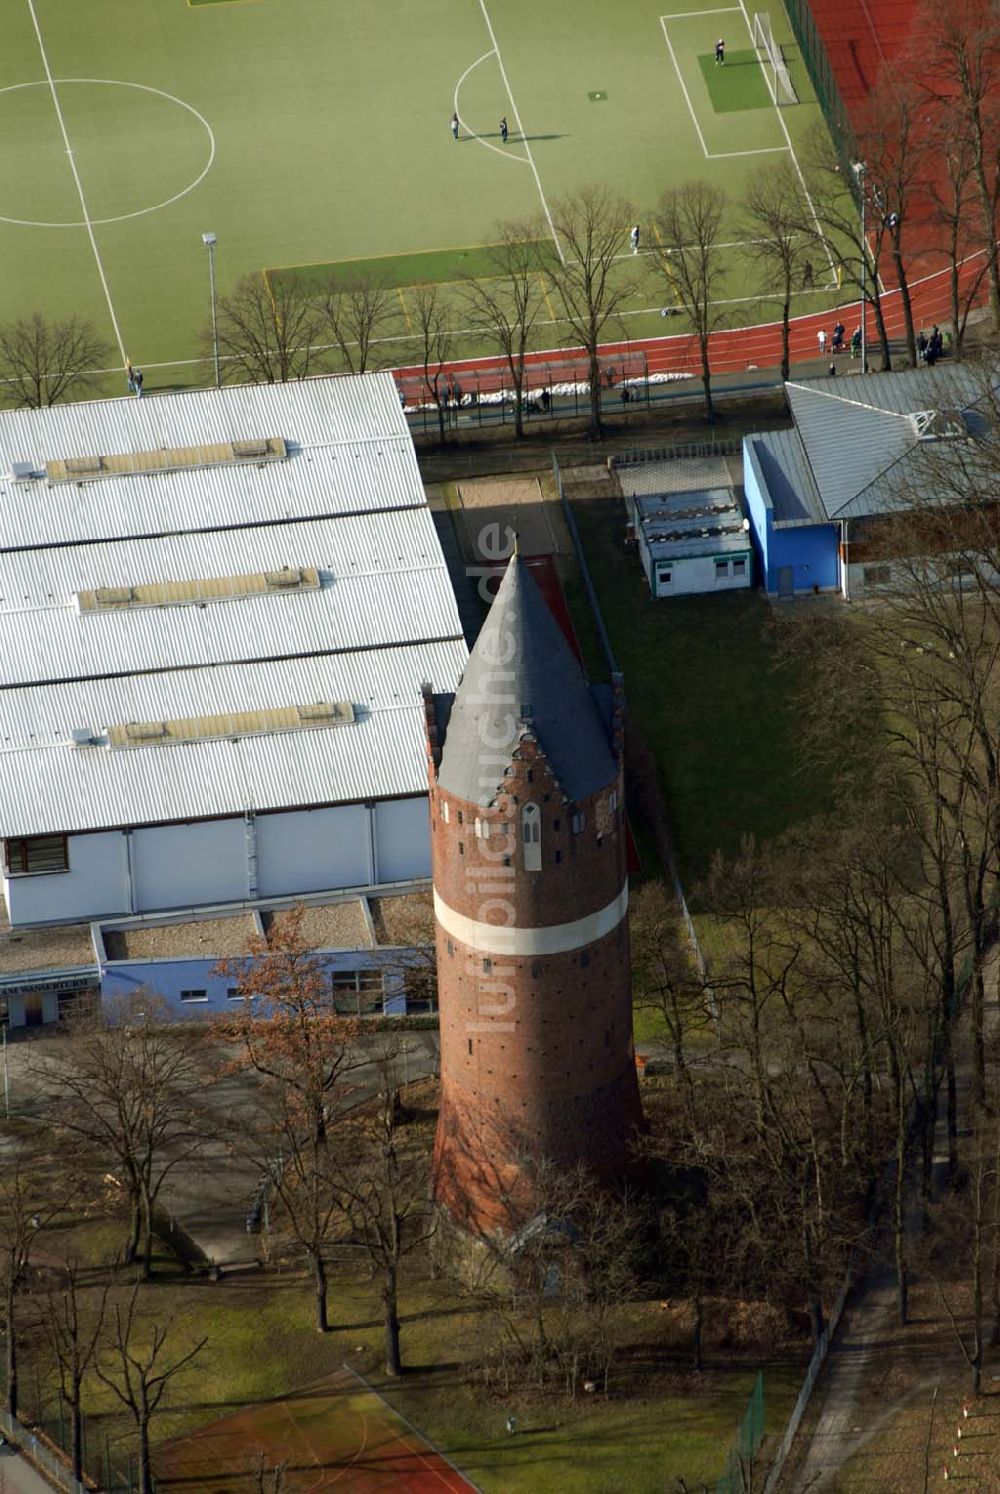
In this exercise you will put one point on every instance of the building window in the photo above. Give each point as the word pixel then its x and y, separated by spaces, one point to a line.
pixel 194 997
pixel 479 828
pixel 531 835
pixel 357 992
pixel 556 824
pixel 877 575
pixel 579 822
pixel 613 801
pixel 461 848
pixel 558 857
pixel 470 1046
pixel 584 959
pixel 740 566
pixel 451 950
pixel 721 570
pixel 33 855
pixel 444 811
pixel 233 993
pixel 487 966
pixel 664 577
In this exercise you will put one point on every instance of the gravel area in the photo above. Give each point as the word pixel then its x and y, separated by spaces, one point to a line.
pixel 408 919
pixel 45 949
pixel 199 938
pixel 333 926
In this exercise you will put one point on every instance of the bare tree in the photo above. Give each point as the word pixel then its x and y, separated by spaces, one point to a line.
pixel 135 1367
pixel 952 202
pixel 126 1085
pixel 959 73
pixel 291 1036
pixel 269 330
pixel 665 981
pixel 384 1185
pixel 357 314
pixel 588 279
pixel 430 323
pixel 508 301
pixel 73 1336
pixel 776 208
pixel 686 250
pixel 25 1209
pixel 42 362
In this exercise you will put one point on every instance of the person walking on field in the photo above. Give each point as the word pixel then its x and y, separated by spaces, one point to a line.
pixel 720 53
pixel 454 125
pixel 633 238
pixel 504 132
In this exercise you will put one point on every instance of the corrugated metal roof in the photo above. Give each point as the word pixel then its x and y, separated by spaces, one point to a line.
pixel 366 636
pixel 384 581
pixel 47 785
pixel 349 446
pixel 786 477
pixel 855 431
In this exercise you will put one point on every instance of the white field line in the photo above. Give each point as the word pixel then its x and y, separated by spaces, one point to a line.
pixel 508 155
pixel 520 125
pixel 686 15
pixel 791 151
pixel 680 79
pixel 76 178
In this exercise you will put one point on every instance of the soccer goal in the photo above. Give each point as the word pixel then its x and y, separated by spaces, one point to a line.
pixel 772 61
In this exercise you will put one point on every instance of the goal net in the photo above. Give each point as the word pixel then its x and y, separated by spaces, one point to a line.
pixel 772 61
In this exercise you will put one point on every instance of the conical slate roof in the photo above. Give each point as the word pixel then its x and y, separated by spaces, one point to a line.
pixel 522 677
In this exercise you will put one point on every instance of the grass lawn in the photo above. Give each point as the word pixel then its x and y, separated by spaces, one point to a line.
pixel 658 1424
pixel 704 689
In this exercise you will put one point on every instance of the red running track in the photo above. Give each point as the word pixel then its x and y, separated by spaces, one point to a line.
pixel 742 348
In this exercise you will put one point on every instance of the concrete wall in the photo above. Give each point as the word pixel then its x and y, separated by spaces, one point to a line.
pixel 168 978
pixel 180 866
pixel 115 873
pixel 97 883
pixel 314 850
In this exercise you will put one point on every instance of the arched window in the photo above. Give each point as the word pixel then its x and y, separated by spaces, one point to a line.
pixel 531 836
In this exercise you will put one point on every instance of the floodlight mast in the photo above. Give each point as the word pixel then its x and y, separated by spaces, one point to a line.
pixel 858 167
pixel 209 240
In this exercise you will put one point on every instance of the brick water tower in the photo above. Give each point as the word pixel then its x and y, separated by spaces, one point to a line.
pixel 531 907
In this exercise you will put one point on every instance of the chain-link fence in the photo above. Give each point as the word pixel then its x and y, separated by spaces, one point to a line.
pixel 820 69
pixel 43 1433
pixel 738 1477
pixel 484 395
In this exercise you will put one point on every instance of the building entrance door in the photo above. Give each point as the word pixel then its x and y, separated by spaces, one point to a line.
pixel 33 1013
pixel 786 581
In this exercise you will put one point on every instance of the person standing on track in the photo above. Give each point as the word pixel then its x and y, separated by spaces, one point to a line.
pixel 504 132
pixel 720 53
pixel 633 238
pixel 454 125
pixel 821 339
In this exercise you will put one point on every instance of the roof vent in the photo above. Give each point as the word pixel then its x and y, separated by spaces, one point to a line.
pixel 114 596
pixel 83 466
pixel 23 471
pixel 145 731
pixel 82 736
pixel 326 713
pixel 288 578
pixel 938 425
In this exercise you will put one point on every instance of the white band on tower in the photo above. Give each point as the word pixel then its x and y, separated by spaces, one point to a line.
pixel 557 938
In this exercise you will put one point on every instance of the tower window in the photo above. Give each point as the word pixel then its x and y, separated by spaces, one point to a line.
pixel 531 836
pixel 558 857
pixel 531 775
pixel 613 800
pixel 470 1043
pixel 584 959
pixel 451 950
pixel 579 822
pixel 479 828
pixel 461 848
pixel 445 815
pixel 461 818
pixel 487 966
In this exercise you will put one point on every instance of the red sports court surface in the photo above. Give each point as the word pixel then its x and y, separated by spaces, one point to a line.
pixel 338 1434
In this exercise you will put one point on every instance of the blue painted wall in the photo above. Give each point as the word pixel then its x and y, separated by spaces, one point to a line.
pixel 168 978
pixel 810 549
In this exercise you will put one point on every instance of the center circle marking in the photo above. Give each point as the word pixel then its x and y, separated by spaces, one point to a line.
pixel 140 212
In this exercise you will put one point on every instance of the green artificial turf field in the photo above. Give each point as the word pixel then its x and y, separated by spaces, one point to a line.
pixel 315 134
